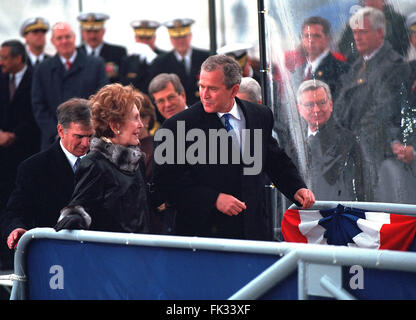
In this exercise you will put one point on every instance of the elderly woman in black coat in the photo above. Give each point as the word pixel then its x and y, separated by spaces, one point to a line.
pixel 110 192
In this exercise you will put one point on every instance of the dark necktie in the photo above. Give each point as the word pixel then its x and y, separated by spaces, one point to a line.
pixel 93 53
pixel 311 138
pixel 308 75
pixel 183 65
pixel 75 167
pixel 363 67
pixel 227 123
pixel 37 61
pixel 12 86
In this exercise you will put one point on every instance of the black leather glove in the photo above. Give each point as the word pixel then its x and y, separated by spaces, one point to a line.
pixel 73 218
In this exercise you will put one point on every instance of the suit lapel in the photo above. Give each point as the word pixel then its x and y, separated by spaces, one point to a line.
pixel 79 63
pixel 82 48
pixel 105 52
pixel 248 114
pixel 208 120
pixel 62 169
pixel 24 85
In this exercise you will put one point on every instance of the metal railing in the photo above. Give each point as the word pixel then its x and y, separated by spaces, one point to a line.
pixel 318 266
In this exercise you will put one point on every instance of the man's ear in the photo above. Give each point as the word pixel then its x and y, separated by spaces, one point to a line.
pixel 235 89
pixel 60 130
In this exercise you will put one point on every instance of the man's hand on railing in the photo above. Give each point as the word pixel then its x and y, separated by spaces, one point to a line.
pixel 305 197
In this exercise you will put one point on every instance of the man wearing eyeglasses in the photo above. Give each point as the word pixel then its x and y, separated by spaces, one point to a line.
pixel 333 153
pixel 168 94
pixel 135 67
pixel 184 60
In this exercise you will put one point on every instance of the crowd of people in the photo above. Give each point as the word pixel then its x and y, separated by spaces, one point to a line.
pixel 359 107
pixel 81 132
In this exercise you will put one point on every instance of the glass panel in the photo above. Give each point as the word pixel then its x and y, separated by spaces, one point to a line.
pixel 371 113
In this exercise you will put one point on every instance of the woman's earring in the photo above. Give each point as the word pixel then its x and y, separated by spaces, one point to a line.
pixel 118 131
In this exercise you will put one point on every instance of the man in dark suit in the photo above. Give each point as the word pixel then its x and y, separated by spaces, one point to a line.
pixel 34 31
pixel 92 30
pixel 135 68
pixel 321 63
pixel 373 93
pixel 19 134
pixel 145 33
pixel 217 196
pixel 183 60
pixel 70 73
pixel 45 181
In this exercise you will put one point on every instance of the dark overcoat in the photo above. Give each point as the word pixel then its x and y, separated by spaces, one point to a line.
pixel 44 185
pixel 53 84
pixel 111 189
pixel 16 116
pixel 329 71
pixel 194 188
pixel 169 64
pixel 113 56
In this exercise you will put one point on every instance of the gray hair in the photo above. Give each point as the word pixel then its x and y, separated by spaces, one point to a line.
pixel 161 81
pixel 252 88
pixel 312 85
pixel 230 67
pixel 74 110
pixel 375 16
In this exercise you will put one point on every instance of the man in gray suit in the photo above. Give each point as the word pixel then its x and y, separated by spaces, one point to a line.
pixel 333 154
pixel 372 93
pixel 70 73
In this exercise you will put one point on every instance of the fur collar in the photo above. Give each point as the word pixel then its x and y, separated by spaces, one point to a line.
pixel 125 158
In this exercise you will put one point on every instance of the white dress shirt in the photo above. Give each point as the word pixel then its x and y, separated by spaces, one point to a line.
pixel 71 158
pixel 315 63
pixel 18 76
pixel 186 58
pixel 72 59
pixel 237 121
pixel 96 50
pixel 33 58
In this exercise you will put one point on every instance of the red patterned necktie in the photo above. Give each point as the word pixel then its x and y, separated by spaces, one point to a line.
pixel 68 64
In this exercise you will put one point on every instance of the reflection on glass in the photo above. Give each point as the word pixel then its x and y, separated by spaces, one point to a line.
pixel 360 54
